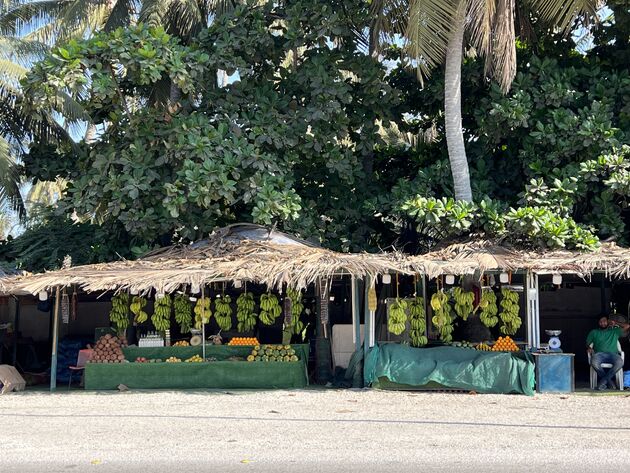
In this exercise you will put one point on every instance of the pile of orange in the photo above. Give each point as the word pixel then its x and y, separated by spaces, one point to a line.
pixel 504 344
pixel 244 341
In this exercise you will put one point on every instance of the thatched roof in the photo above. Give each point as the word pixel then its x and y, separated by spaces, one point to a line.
pixel 240 252
pixel 479 256
pixel 253 253
pixel 7 279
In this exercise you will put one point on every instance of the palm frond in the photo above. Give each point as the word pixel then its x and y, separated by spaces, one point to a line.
pixel 11 71
pixel 389 19
pixel 482 16
pixel 504 49
pixel 429 30
pixel 9 179
pixel 20 50
pixel 30 14
pixel 562 13
pixel 122 14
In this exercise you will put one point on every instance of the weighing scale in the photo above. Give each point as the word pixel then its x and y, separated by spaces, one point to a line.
pixel 554 341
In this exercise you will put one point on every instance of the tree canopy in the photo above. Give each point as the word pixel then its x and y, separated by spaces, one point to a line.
pixel 316 136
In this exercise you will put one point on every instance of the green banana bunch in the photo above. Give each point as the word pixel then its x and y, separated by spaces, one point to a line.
pixel 161 317
pixel 417 322
pixel 511 321
pixel 223 312
pixel 397 320
pixel 442 316
pixel 183 314
pixel 464 302
pixel 119 314
pixel 202 312
pixel 489 309
pixel 245 315
pixel 270 309
pixel 137 309
pixel 297 326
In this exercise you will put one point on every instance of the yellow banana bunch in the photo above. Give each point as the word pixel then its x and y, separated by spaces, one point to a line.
pixel 137 309
pixel 245 315
pixel 270 309
pixel 202 312
pixel 297 326
pixel 489 310
pixel 119 315
pixel 511 321
pixel 183 314
pixel 161 317
pixel 417 322
pixel 223 312
pixel 442 315
pixel 464 302
pixel 397 320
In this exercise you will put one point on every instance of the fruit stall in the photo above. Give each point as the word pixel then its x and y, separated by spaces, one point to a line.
pixel 450 333
pixel 227 312
pixel 184 367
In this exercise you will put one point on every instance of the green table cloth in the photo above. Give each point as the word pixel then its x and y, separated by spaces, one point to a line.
pixel 401 366
pixel 219 374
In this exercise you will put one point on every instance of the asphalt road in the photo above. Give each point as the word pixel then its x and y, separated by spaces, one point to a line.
pixel 312 431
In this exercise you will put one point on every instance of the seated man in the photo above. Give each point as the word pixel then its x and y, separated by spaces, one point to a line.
pixel 604 349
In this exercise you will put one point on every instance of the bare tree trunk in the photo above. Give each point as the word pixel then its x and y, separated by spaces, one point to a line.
pixel 453 110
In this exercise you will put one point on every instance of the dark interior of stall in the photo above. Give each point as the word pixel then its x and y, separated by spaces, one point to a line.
pixel 575 306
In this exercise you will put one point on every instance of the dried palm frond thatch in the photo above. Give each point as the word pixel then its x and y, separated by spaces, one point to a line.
pixel 271 258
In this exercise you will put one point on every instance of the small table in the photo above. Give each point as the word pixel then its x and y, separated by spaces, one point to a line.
pixel 554 372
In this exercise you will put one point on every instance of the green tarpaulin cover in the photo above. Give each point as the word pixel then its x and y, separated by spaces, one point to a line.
pixel 211 375
pixel 460 368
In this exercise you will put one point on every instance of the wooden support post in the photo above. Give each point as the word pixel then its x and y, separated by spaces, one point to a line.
pixel 55 342
pixel 16 328
pixel 356 313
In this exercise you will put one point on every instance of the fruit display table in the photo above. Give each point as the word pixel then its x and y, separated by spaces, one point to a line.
pixel 220 374
pixel 393 366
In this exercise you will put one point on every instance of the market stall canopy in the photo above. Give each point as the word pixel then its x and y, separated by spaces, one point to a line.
pixel 241 252
pixel 479 256
pixel 7 279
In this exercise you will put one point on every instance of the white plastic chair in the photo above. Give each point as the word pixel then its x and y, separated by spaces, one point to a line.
pixel 607 366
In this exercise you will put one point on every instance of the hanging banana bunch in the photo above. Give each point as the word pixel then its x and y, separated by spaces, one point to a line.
pixel 417 322
pixel 137 309
pixel 489 309
pixel 119 314
pixel 464 302
pixel 511 321
pixel 443 317
pixel 161 317
pixel 297 307
pixel 183 313
pixel 223 312
pixel 270 309
pixel 397 320
pixel 245 316
pixel 202 312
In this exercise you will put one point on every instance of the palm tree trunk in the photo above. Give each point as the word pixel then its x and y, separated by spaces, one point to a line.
pixel 453 110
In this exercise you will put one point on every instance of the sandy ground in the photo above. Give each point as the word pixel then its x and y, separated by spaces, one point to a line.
pixel 312 431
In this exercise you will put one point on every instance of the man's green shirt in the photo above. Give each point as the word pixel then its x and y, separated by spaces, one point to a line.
pixel 604 340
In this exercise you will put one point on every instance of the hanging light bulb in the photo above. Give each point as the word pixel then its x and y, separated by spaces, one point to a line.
pixel 450 279
pixel 133 291
pixel 492 280
pixel 557 279
pixel 195 289
pixel 43 296
pixel 504 278
pixel 237 284
pixel 386 278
